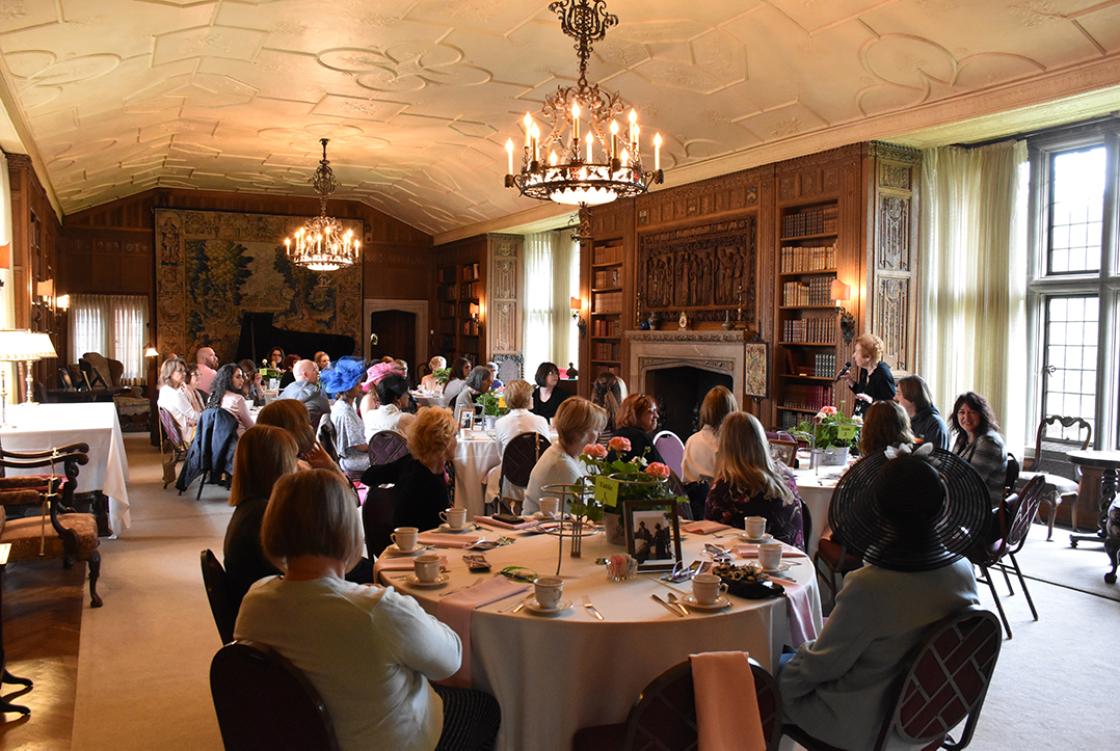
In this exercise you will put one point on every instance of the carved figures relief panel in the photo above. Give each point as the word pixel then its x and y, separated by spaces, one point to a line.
pixel 892 314
pixel 893 251
pixel 505 312
pixel 693 268
pixel 214 265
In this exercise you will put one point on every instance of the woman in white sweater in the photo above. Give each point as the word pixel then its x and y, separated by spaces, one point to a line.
pixel 577 424
pixel 176 399
pixel 369 651
pixel 699 463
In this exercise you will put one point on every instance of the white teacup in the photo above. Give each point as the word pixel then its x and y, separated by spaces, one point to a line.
pixel 707 588
pixel 770 555
pixel 427 568
pixel 548 591
pixel 755 526
pixel 405 538
pixel 455 518
pixel 550 506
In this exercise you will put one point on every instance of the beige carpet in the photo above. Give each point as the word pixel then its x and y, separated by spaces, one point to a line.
pixel 143 680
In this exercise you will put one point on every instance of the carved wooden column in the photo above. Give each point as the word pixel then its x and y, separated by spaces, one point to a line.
pixel 503 330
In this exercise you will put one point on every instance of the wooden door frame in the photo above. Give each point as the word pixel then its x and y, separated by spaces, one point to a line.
pixel 417 307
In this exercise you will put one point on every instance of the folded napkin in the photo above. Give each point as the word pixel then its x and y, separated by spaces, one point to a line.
pixel 400 563
pixel 751 551
pixel 703 527
pixel 799 611
pixel 488 521
pixel 446 541
pixel 457 610
pixel 727 714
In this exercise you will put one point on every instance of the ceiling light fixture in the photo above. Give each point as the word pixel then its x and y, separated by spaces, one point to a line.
pixel 585 160
pixel 322 244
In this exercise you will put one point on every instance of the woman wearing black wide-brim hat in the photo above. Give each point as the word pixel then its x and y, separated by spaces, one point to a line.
pixel 915 516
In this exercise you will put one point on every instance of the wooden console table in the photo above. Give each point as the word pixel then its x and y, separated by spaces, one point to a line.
pixel 1108 532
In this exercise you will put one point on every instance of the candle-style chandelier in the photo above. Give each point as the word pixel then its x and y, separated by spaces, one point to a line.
pixel 322 244
pixel 602 165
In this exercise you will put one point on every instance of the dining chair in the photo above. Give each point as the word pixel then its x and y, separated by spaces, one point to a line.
pixel 386 446
pixel 669 445
pixel 264 702
pixel 518 460
pixel 1050 460
pixel 217 592
pixel 664 717
pixel 944 686
pixel 172 447
pixel 377 518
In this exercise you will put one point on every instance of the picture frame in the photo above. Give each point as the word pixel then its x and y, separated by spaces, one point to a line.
pixel 653 535
pixel 465 418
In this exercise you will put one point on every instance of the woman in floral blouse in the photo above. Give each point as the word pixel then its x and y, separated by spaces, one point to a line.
pixel 749 483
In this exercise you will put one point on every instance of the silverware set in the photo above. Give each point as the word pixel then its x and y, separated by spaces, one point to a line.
pixel 674 609
pixel 590 608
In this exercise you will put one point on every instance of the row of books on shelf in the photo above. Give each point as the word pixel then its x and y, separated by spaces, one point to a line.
pixel 817 329
pixel 608 254
pixel 604 351
pixel 806 397
pixel 799 258
pixel 470 328
pixel 812 220
pixel 470 272
pixel 606 302
pixel 815 290
pixel 606 327
pixel 824 365
pixel 608 278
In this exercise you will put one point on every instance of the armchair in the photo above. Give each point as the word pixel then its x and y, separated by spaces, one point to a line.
pixel 70 535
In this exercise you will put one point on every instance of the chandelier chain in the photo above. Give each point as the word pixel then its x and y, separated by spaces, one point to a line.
pixel 586 21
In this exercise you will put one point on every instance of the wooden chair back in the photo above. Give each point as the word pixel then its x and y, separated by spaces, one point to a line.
pixel 386 446
pixel 325 436
pixel 1050 450
pixel 217 592
pixel 1012 476
pixel 264 702
pixel 377 518
pixel 669 445
pixel 1019 526
pixel 169 430
pixel 521 455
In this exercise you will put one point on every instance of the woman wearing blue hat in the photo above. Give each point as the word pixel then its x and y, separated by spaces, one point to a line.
pixel 344 379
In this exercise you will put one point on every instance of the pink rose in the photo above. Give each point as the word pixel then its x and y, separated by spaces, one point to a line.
pixel 595 450
pixel 657 469
pixel 619 444
pixel 828 411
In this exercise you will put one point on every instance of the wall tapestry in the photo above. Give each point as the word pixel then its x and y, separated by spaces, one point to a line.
pixel 215 265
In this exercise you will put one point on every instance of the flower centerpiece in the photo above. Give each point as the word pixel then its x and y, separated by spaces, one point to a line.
pixel 267 373
pixel 616 481
pixel 831 434
pixel 493 406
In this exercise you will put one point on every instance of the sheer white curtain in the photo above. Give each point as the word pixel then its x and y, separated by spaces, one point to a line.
pixel 974 273
pixel 114 325
pixel 551 280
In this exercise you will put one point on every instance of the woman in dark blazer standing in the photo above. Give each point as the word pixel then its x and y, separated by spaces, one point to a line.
pixel 871 379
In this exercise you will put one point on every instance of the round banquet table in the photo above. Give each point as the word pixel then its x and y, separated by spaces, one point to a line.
pixel 815 487
pixel 475 455
pixel 554 675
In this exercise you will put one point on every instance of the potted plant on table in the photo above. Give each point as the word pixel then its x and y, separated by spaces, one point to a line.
pixel 493 406
pixel 615 482
pixel 831 434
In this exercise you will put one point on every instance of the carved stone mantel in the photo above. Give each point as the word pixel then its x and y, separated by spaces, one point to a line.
pixel 717 351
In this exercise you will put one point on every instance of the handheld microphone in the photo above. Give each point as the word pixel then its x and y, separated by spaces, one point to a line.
pixel 843 371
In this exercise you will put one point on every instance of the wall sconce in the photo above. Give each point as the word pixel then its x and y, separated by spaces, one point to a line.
pixel 475 311
pixel 151 351
pixel 62 302
pixel 840 293
pixel 576 305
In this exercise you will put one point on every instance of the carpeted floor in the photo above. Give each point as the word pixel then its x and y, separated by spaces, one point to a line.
pixel 143 665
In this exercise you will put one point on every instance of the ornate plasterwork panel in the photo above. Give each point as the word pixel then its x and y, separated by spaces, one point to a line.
pixel 504 304
pixel 418 96
pixel 892 311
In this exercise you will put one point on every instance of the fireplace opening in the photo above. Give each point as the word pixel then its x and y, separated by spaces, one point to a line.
pixel 679 392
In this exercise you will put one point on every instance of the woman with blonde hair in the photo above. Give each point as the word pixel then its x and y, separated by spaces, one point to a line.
pixel 177 398
pixel 871 379
pixel 884 424
pixel 370 652
pixel 421 479
pixel 699 463
pixel 606 392
pixel 264 455
pixel 577 424
pixel 748 482
pixel 291 416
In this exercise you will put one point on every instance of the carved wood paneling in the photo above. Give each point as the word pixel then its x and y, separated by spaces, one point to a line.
pixel 892 251
pixel 815 176
pixel 728 194
pixel 504 323
pixel 892 319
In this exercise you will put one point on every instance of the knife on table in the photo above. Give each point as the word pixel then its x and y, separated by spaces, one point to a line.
pixel 667 606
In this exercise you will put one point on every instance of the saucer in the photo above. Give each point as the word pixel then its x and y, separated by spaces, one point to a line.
pixel 535 607
pixel 445 527
pixel 757 540
pixel 783 566
pixel 720 603
pixel 396 552
pixel 442 579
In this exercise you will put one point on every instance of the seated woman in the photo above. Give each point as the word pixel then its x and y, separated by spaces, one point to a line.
pixel 197 396
pixel 421 477
pixel 322 359
pixel 577 424
pixel 369 651
pixel 456 381
pixel 606 392
pixel 264 455
pixel 837 688
pixel 748 482
pixel 699 463
pixel 288 375
pixel 636 420
pixel 925 421
pixel 375 374
pixel 177 397
pixel 979 442
pixel 477 383
pixel 884 424
pixel 429 383
pixel 392 397
pixel 253 390
pixel 344 380
pixel 519 398
pixel 276 358
pixel 291 416
pixel 871 379
pixel 546 399
pixel 225 392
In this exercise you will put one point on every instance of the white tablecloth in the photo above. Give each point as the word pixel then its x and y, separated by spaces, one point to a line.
pixel 42 426
pixel 555 675
pixel 475 455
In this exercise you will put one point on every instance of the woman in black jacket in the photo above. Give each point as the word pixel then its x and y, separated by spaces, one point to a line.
pixel 871 379
pixel 636 420
pixel 925 421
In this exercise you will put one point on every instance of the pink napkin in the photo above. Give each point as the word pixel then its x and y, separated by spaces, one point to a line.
pixel 802 628
pixel 751 551
pixel 446 541
pixel 487 521
pixel 703 527
pixel 727 714
pixel 399 563
pixel 456 611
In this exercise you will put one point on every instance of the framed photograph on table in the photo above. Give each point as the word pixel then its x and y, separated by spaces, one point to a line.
pixel 653 535
pixel 465 418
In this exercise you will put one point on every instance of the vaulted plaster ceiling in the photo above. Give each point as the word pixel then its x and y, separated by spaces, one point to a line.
pixel 418 96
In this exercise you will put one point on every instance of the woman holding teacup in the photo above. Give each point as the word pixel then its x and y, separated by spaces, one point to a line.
pixel 369 651
pixel 749 483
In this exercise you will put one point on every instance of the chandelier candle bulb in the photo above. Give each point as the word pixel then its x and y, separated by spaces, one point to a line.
pixel 614 138
pixel 575 124
pixel 509 156
pixel 657 151
pixel 590 140
pixel 553 160
pixel 528 129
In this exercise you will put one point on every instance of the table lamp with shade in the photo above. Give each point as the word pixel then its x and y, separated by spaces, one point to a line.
pixel 21 345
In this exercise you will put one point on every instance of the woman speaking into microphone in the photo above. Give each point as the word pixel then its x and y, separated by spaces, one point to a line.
pixel 871 379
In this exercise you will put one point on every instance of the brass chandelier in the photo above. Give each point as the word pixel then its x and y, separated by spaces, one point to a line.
pixel 585 159
pixel 322 244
